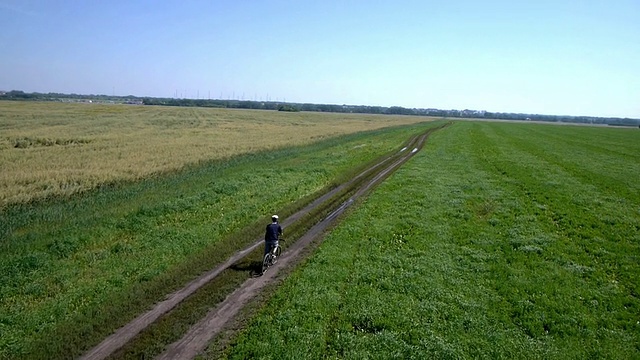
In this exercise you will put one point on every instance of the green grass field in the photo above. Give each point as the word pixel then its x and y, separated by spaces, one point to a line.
pixel 498 240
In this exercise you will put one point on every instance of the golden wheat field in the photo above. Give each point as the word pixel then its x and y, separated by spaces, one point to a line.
pixel 49 148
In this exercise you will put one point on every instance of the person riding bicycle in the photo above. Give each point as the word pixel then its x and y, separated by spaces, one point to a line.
pixel 272 234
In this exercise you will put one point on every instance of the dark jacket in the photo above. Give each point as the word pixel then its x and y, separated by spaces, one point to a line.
pixel 273 232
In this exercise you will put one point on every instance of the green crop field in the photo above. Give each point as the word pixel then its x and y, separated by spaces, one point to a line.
pixel 74 267
pixel 498 240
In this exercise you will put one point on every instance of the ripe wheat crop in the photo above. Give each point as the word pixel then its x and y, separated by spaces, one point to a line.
pixel 53 149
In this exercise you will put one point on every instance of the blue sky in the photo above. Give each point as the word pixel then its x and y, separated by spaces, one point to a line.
pixel 547 57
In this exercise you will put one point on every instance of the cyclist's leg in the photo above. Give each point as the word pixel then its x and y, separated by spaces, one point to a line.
pixel 278 250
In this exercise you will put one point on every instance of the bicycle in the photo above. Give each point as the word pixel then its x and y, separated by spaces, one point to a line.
pixel 271 258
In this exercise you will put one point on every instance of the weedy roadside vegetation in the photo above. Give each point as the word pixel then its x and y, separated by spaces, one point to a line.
pixel 498 240
pixel 75 268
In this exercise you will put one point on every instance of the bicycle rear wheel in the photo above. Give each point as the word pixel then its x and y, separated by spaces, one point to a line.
pixel 266 262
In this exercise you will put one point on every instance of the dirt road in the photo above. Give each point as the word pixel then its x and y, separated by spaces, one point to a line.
pixel 197 338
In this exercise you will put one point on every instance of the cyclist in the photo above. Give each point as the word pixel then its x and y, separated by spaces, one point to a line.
pixel 272 234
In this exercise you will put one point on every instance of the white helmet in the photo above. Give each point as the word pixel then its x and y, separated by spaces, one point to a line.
pixel 275 217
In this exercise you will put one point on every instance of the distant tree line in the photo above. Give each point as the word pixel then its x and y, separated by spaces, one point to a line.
pixel 21 95
pixel 287 107
pixel 283 106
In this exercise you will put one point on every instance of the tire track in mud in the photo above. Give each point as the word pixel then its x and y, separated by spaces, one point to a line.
pixel 199 335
